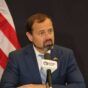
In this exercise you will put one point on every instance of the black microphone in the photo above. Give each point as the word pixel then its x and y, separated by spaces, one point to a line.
pixel 49 76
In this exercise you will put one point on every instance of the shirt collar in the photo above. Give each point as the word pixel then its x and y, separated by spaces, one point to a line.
pixel 37 52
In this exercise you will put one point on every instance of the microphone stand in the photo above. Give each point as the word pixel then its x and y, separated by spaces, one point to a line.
pixel 49 78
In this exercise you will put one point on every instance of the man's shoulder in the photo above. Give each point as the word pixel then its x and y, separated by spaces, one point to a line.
pixel 62 48
pixel 64 52
pixel 23 50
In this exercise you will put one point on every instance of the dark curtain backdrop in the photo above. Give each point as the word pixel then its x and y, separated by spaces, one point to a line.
pixel 70 20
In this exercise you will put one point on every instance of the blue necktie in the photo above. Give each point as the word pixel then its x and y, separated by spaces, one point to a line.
pixel 42 56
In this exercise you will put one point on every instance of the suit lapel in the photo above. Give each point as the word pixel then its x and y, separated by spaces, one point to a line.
pixel 56 55
pixel 34 65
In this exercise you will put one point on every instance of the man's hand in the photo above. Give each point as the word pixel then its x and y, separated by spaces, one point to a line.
pixel 33 86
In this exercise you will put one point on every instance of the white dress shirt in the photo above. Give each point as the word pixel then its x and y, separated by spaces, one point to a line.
pixel 39 61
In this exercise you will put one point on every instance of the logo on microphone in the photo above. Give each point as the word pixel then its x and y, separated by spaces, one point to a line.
pixel 49 64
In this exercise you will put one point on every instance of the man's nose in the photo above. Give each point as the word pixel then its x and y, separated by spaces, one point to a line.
pixel 47 36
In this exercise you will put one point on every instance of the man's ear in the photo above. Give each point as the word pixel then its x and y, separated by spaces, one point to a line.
pixel 29 35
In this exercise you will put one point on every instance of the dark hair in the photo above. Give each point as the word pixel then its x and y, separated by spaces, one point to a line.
pixel 39 17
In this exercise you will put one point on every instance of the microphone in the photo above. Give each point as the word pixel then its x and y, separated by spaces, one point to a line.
pixel 49 77
pixel 50 66
pixel 47 63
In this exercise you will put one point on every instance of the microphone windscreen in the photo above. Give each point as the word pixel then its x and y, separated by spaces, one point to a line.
pixel 47 56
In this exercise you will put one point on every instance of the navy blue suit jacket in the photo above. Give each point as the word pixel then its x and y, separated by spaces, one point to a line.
pixel 22 68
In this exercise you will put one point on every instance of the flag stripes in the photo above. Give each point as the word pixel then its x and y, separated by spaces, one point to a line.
pixel 3 59
pixel 8 31
pixel 5 45
pixel 8 37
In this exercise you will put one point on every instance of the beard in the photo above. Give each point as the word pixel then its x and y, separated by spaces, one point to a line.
pixel 47 45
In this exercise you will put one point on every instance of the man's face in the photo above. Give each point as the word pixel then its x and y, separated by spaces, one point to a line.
pixel 42 34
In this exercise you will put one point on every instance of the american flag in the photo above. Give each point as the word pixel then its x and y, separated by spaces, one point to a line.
pixel 8 37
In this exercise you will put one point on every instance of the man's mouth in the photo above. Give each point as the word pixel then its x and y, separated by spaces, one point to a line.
pixel 48 44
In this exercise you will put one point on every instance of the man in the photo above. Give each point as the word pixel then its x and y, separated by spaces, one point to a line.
pixel 24 66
